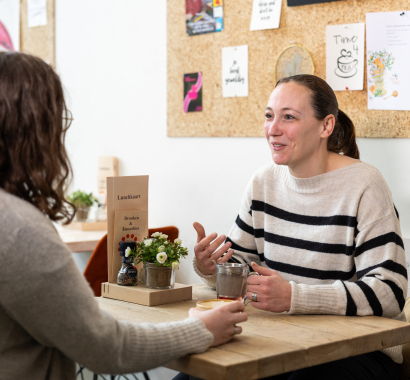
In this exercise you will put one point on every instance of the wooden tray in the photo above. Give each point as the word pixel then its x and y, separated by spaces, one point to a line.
pixel 144 296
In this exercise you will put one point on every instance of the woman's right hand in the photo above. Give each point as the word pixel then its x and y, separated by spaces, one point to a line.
pixel 221 321
pixel 206 252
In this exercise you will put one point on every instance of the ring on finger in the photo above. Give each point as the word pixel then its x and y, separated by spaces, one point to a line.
pixel 254 297
pixel 236 330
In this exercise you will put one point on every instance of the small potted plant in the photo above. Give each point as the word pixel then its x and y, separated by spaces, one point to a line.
pixel 160 257
pixel 82 201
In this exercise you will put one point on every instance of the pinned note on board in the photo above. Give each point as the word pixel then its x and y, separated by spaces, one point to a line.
pixel 266 14
pixel 203 16
pixel 388 54
pixel 36 13
pixel 193 92
pixel 345 56
pixel 235 71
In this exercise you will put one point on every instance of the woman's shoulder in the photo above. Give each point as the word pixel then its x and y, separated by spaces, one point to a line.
pixel 18 216
pixel 367 174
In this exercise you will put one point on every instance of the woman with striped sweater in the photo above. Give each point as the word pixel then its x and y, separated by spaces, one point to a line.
pixel 318 225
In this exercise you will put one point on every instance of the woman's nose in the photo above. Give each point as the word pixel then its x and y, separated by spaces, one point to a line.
pixel 274 128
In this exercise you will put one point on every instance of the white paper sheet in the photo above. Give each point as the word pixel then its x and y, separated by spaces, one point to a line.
pixel 266 14
pixel 388 56
pixel 36 13
pixel 345 56
pixel 235 71
pixel 10 28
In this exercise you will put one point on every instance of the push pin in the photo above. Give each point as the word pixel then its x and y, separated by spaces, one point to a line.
pixel 347 88
pixel 402 13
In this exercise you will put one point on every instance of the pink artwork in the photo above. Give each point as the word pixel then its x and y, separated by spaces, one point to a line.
pixel 5 40
pixel 193 92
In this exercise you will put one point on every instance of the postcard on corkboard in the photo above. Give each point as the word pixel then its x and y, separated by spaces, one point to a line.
pixel 123 194
pixel 193 92
pixel 203 16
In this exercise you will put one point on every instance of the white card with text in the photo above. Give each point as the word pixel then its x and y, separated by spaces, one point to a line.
pixel 266 14
pixel 235 71
pixel 388 55
pixel 345 56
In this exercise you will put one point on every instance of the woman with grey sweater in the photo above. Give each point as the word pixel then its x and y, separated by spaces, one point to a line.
pixel 49 318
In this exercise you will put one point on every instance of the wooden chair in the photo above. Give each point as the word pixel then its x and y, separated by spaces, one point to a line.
pixel 96 271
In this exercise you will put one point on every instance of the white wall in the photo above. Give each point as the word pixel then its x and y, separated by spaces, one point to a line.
pixel 111 56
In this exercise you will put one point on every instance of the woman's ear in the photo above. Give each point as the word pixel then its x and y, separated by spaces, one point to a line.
pixel 328 125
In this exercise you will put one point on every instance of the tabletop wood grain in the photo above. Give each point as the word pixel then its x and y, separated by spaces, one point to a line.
pixel 270 343
pixel 80 241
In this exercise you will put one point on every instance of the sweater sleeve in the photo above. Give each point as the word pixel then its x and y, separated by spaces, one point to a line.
pixel 242 238
pixel 242 234
pixel 44 292
pixel 380 285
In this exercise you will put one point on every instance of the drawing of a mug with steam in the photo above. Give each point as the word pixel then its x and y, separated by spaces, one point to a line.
pixel 346 65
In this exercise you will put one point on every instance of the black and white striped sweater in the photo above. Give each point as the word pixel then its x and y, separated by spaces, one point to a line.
pixel 335 237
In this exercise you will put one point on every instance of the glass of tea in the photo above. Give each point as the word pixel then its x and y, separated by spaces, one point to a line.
pixel 231 281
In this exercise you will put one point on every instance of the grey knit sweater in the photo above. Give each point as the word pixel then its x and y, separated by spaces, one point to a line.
pixel 49 318
pixel 335 237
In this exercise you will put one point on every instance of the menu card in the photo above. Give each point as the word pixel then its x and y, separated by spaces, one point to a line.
pixel 125 194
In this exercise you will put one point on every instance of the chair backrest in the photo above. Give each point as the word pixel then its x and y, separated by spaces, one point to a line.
pixel 96 271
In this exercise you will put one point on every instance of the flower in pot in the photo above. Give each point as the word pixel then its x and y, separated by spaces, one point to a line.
pixel 82 202
pixel 161 258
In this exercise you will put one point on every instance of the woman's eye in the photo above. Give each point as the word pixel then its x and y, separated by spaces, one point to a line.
pixel 268 115
pixel 289 117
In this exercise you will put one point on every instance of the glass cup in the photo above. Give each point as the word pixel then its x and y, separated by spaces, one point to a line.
pixel 231 281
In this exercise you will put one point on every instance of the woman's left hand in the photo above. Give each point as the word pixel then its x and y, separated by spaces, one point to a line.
pixel 273 292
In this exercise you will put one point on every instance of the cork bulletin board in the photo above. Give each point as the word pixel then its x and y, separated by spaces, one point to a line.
pixel 40 40
pixel 244 116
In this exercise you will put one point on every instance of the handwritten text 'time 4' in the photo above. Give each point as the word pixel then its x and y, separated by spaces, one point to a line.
pixel 347 40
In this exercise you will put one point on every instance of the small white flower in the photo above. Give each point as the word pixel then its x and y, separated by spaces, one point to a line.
pixel 175 265
pixel 178 241
pixel 127 251
pixel 147 242
pixel 156 234
pixel 162 257
pixel 161 248
pixel 165 242
pixel 163 237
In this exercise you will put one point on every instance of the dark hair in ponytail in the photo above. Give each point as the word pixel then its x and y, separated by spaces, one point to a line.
pixel 324 103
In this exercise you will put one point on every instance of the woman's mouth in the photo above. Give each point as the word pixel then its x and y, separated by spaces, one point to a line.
pixel 277 147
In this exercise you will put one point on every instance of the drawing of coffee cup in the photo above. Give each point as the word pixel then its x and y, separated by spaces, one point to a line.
pixel 345 62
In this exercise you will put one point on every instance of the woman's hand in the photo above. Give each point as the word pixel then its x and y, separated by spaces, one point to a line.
pixel 221 321
pixel 207 252
pixel 273 292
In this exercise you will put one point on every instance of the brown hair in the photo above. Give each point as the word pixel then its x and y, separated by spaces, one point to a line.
pixel 324 103
pixel 34 164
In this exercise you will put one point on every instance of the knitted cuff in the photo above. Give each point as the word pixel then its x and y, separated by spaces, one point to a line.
pixel 318 299
pixel 209 279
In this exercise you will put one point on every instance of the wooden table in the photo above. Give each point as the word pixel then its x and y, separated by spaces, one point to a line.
pixel 270 343
pixel 80 241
